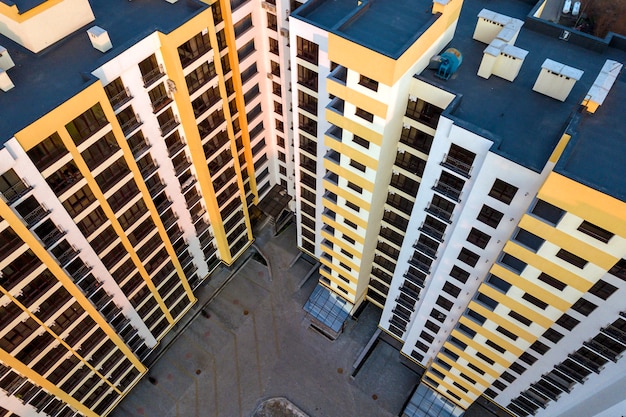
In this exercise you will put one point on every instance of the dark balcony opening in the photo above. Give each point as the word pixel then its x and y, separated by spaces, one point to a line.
pixel 423 112
pixel 47 152
pixel 49 233
pixel 194 48
pixel 449 186
pixel 410 162
pixel 13 187
pixel 88 123
pixel 31 211
pixel 307 77
pixel 339 74
pixel 128 120
pixel 19 269
pixel 416 139
pixel 118 94
pixel 100 151
pixel 459 160
pixel 151 70
pixel 112 175
pixel 404 184
pixel 155 185
pixel 159 98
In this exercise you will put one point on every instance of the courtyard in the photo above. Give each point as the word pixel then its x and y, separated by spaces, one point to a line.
pixel 248 341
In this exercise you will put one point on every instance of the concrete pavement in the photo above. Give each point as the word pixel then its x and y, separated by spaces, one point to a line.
pixel 256 344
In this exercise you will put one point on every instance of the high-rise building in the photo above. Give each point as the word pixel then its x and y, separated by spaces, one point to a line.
pixel 137 137
pixel 461 170
pixel 456 164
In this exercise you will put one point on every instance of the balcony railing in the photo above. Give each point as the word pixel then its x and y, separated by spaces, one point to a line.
pixel 169 125
pixel 131 124
pixel 432 232
pixel 17 191
pixel 175 147
pixel 121 98
pixel 162 206
pixel 182 166
pixel 34 216
pixel 155 188
pixel 148 170
pixel 160 103
pixel 447 190
pixel 67 255
pixel 152 76
pixel 80 273
pixel 188 183
pixel 439 212
pixel 457 165
pixel 427 250
pixel 52 237
pixel 139 149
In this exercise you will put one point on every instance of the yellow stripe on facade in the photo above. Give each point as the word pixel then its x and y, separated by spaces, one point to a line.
pixel 343 192
pixel 354 127
pixel 345 230
pixel 514 305
pixel 585 202
pixel 501 321
pixel 357 98
pixel 465 396
pixel 345 213
pixel 342 244
pixel 339 283
pixel 337 268
pixel 495 356
pixel 350 152
pixel 471 359
pixel 454 400
pixel 353 177
pixel 488 334
pixel 458 379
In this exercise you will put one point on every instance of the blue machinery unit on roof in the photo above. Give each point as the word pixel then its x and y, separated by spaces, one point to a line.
pixel 449 62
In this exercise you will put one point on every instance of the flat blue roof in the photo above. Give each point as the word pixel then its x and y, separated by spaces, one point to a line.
pixel 387 27
pixel 45 80
pixel 525 125
pixel 23 5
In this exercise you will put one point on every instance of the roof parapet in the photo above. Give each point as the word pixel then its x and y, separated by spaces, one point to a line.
pixel 556 80
pixel 602 85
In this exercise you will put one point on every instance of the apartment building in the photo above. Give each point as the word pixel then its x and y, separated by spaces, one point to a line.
pixel 461 173
pixel 136 138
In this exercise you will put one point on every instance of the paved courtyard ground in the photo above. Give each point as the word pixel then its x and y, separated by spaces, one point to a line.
pixel 255 344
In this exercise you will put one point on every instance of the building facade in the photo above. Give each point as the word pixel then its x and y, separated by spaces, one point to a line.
pixel 459 194
pixel 132 156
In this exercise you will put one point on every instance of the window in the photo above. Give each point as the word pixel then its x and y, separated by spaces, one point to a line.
pixel 507 333
pixel 363 114
pixel 423 112
pixel 619 269
pixel 360 141
pixel 86 124
pixel 530 240
pixel 507 377
pixel 187 52
pixel 368 82
pixel 459 160
pixel 48 151
pixel 352 206
pixel 416 139
pixel 517 316
pixel 475 368
pixel 307 77
pixel 243 25
pixel 78 201
pixel 490 216
pixel 602 289
pixel 459 274
pixel 271 21
pixel 444 302
pixel 432 326
pixel 575 260
pixel 553 282
pixel 535 301
pixel 513 263
pixel 503 191
pixel 595 232
pixel 451 289
pixel 307 50
pixel 350 223
pixel 552 335
pixel 307 102
pixel 539 347
pixel 348 239
pixel 547 212
pixel 498 283
pixel 355 187
pixel 357 165
pixel 468 257
pixel 427 337
pixel 495 346
pixel 567 322
pixel 485 358
pixel 478 238
pixel 486 301
pixel 469 332
pixel 437 315
pixel 584 307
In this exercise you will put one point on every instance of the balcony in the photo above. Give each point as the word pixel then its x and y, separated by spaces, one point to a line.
pixel 333 156
pixel 339 74
pixel 140 148
pixel 310 128
pixel 439 212
pixel 310 83
pixel 174 233
pixel 16 191
pixel 337 105
pixel 152 76
pixel 35 215
pixel 432 232
pixel 447 191
pixel 175 147
pixel 182 165
pixel 201 226
pixel 160 102
pixel 155 186
pixel 121 98
pixel 148 169
pixel 52 236
pixel 456 165
pixel 67 255
pixel 425 249
pixel 80 273
pixel 335 132
pixel 416 277
pixel 332 178
pixel 308 164
pixel 169 125
pixel 186 184
pixel 131 124
pixel 163 205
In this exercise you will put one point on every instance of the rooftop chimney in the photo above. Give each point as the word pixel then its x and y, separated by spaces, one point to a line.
pixel 602 85
pixel 99 39
pixel 5 82
pixel 502 60
pixel 5 59
pixel 556 80
pixel 492 25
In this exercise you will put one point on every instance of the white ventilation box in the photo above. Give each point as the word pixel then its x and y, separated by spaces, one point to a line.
pixel 556 80
pixel 602 85
pixel 99 38
pixel 5 81
pixel 502 60
pixel 492 25
pixel 5 59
